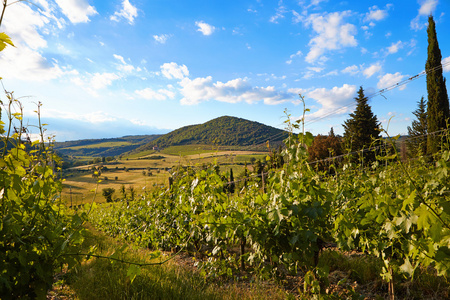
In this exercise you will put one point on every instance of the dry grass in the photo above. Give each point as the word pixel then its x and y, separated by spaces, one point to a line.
pixel 79 185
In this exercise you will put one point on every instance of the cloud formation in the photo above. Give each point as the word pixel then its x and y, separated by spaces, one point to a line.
pixel 446 64
pixel 375 14
pixel 279 14
pixel 174 71
pixel 370 71
pixel 234 91
pixel 390 79
pixel 128 12
pixel 335 101
pixel 394 47
pixel 205 28
pixel 162 38
pixel 160 95
pixel 77 11
pixel 332 34
pixel 25 61
pixel 427 7
pixel 352 70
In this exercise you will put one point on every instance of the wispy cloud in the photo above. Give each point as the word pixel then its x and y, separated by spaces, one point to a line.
pixel 292 56
pixel 162 38
pixel 127 12
pixel 427 7
pixel 372 69
pixel 160 94
pixel 352 70
pixel 280 12
pixel 77 11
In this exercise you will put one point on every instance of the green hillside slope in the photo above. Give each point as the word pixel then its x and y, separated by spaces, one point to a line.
pixel 223 131
pixel 103 147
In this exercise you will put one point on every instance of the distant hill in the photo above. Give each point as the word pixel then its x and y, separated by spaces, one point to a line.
pixel 222 131
pixel 103 147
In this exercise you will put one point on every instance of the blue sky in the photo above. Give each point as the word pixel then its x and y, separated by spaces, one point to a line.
pixel 112 68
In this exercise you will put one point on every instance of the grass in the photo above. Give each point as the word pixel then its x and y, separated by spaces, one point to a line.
pixel 100 145
pixel 79 184
pixel 101 279
pixel 351 276
pixel 189 150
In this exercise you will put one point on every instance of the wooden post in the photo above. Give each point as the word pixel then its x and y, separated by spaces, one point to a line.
pixel 243 242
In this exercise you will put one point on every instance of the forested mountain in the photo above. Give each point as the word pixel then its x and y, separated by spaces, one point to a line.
pixel 104 147
pixel 222 131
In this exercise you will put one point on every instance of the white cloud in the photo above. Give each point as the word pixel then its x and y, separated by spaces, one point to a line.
pixel 446 64
pixel 77 11
pixel 292 56
pixel 389 79
pixel 160 95
pixel 162 38
pixel 94 82
pixel 128 12
pixel 279 14
pixel 26 64
pixel 427 8
pixel 393 48
pixel 25 61
pixel 91 117
pixel 174 71
pixel 205 28
pixel 234 91
pixel 375 14
pixel 124 66
pixel 334 101
pixel 102 80
pixel 332 34
pixel 352 70
pixel 22 25
pixel 370 71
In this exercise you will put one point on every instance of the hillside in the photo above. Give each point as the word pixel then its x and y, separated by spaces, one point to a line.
pixel 103 147
pixel 223 131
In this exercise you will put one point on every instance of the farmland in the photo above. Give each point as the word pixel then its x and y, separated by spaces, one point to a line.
pixel 145 171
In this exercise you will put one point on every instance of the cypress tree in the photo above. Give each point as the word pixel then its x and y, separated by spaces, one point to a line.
pixel 438 106
pixel 417 143
pixel 232 184
pixel 362 127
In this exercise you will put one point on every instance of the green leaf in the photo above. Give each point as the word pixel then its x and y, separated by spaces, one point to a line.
pixel 133 271
pixel 407 267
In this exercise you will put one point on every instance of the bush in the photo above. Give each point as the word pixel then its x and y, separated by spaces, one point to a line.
pixel 108 193
pixel 36 232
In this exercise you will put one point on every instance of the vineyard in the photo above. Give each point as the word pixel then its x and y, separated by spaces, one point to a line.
pixel 280 223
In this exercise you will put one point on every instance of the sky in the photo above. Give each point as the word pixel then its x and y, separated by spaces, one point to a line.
pixel 105 69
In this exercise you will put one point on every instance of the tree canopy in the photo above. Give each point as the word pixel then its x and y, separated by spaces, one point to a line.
pixel 362 127
pixel 417 143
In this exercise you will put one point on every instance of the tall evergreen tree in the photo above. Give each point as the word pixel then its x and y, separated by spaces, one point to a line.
pixel 232 183
pixel 438 106
pixel 417 142
pixel 362 127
